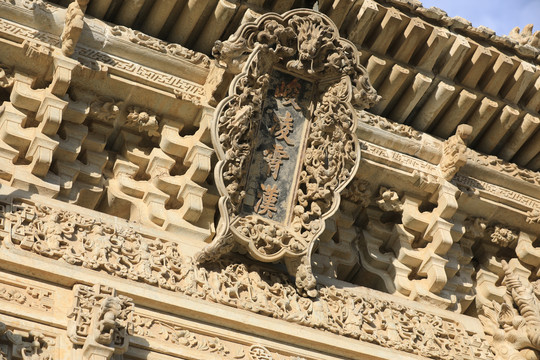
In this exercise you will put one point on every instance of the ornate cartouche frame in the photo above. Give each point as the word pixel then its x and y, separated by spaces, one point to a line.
pixel 305 46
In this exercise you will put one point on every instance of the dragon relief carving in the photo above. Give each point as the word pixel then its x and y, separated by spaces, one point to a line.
pixel 514 323
pixel 312 109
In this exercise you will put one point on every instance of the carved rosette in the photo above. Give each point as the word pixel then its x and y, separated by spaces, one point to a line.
pixel 285 137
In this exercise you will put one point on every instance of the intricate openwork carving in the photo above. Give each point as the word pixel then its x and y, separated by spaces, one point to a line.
pixel 285 137
pixel 514 323
pixel 249 287
pixel 100 318
pixel 14 346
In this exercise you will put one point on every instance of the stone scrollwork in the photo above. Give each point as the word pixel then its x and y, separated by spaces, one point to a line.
pixel 285 137
pixel 127 254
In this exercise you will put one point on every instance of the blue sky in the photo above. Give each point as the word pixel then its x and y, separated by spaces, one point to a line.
pixel 499 15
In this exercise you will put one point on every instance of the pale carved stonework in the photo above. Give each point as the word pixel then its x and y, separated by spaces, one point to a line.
pixel 526 36
pixel 100 321
pixel 14 346
pixel 249 287
pixel 270 224
pixel 514 324
pixel 454 152
pixel 73 26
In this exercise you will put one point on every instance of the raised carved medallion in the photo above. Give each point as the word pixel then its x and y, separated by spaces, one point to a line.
pixel 285 137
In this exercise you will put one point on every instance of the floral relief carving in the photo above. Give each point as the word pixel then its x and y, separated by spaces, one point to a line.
pixel 385 124
pixel 503 236
pixel 126 254
pixel 161 330
pixel 28 296
pixel 510 169
pixel 514 323
pixel 357 191
pixel 272 219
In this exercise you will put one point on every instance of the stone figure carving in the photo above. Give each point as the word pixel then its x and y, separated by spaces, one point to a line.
pixel 251 287
pixel 388 200
pixel 108 320
pixel 98 308
pixel 264 126
pixel 143 121
pixel 526 36
pixel 100 319
pixel 32 347
pixel 73 26
pixel 454 152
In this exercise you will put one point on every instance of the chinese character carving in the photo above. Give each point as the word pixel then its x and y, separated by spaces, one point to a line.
pixel 288 128
pixel 289 92
pixel 267 203
pixel 284 127
pixel 274 158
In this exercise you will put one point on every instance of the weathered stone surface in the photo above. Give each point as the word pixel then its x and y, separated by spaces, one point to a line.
pixel 406 230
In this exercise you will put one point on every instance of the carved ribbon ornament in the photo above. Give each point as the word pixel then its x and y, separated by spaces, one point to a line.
pixel 285 137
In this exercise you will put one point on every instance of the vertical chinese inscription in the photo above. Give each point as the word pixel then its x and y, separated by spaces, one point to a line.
pixel 278 147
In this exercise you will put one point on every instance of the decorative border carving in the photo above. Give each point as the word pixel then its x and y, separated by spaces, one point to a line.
pixel 147 73
pixel 26 295
pixel 247 287
pixel 175 50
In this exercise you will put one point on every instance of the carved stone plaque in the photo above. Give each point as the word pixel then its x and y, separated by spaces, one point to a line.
pixel 285 137
pixel 279 144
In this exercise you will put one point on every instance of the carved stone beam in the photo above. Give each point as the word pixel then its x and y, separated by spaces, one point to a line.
pixel 285 137
pixel 63 68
